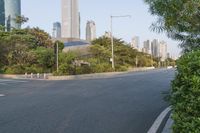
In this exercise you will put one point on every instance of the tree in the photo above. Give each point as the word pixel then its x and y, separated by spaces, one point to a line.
pixel 21 19
pixel 180 19
pixel 41 38
pixel 60 46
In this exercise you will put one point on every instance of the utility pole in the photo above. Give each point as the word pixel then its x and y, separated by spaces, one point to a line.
pixel 57 56
pixel 112 40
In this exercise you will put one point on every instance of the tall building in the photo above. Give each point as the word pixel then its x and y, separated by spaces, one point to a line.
pixel 12 10
pixel 56 30
pixel 90 31
pixel 135 42
pixel 163 50
pixel 155 48
pixel 70 19
pixel 147 47
pixel 159 49
pixel 2 13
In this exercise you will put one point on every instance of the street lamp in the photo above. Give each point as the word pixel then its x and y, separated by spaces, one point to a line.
pixel 57 65
pixel 112 41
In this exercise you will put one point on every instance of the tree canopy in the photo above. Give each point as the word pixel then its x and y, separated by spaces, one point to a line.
pixel 180 19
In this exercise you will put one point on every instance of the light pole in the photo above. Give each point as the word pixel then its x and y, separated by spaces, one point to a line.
pixel 112 40
pixel 57 56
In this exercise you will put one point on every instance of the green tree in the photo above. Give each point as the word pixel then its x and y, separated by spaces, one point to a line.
pixel 21 19
pixel 41 38
pixel 180 19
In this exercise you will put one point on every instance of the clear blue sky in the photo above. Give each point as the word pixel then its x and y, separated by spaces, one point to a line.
pixel 42 13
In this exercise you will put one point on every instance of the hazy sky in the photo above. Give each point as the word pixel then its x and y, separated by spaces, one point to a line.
pixel 42 13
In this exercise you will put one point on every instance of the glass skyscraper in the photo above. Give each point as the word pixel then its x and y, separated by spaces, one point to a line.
pixel 12 10
pixel 70 19
pixel 56 30
pixel 2 13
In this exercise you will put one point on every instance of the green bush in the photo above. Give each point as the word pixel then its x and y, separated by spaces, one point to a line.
pixel 15 69
pixel 185 96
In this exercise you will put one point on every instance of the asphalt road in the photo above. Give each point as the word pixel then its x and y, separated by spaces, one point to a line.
pixel 129 103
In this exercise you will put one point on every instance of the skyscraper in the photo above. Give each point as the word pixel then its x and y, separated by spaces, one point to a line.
pixel 155 48
pixel 2 13
pixel 163 50
pixel 135 42
pixel 12 10
pixel 90 31
pixel 70 19
pixel 56 30
pixel 159 49
pixel 147 47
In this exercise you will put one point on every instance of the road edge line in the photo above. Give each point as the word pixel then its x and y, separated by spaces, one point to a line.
pixel 155 127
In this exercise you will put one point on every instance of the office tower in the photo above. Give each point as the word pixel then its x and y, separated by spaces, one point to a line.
pixel 56 30
pixel 135 42
pixel 2 13
pixel 90 31
pixel 163 50
pixel 155 48
pixel 70 19
pixel 147 47
pixel 12 10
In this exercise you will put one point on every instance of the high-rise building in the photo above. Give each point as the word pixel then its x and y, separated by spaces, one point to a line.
pixel 2 13
pixel 135 42
pixel 155 48
pixel 12 10
pixel 147 47
pixel 70 19
pixel 159 49
pixel 56 30
pixel 90 31
pixel 163 50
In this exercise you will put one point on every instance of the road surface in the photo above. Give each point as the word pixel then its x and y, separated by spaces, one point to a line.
pixel 129 103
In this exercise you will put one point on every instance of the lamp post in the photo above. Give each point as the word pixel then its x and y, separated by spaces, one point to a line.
pixel 57 56
pixel 112 40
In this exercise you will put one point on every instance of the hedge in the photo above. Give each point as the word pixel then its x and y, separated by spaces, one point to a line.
pixel 185 97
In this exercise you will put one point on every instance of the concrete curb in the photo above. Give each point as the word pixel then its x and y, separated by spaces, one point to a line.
pixel 158 122
pixel 78 77
pixel 168 126
pixel 97 75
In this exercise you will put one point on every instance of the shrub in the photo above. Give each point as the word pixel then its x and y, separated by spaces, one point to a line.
pixel 185 97
pixel 15 69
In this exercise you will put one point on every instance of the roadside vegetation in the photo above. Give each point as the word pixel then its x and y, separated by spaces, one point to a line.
pixel 180 20
pixel 32 50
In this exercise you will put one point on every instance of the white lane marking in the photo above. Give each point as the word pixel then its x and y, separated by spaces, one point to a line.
pixel 11 81
pixel 2 95
pixel 154 128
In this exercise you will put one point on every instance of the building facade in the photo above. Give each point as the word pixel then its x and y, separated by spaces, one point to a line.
pixel 56 30
pixel 163 50
pixel 70 19
pixel 90 31
pixel 155 48
pixel 147 47
pixel 159 49
pixel 135 42
pixel 12 10
pixel 2 13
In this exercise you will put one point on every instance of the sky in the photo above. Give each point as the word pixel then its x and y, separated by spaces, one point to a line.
pixel 43 13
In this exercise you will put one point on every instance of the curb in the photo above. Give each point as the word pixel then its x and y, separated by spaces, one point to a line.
pixel 168 126
pixel 157 125
pixel 77 77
